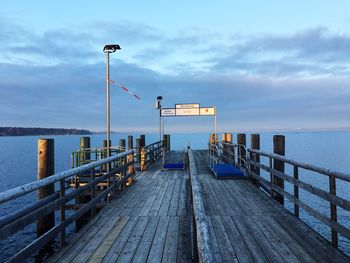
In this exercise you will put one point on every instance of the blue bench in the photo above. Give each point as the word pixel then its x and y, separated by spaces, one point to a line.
pixel 227 171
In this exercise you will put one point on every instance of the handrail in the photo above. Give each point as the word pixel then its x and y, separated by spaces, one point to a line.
pixel 275 188
pixel 30 187
pixel 204 241
pixel 90 179
pixel 324 171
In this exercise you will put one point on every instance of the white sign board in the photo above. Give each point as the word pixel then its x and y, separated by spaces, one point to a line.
pixel 187 112
pixel 210 111
pixel 196 111
pixel 187 106
pixel 167 112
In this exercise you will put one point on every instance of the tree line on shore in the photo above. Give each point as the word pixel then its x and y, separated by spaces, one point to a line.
pixel 22 131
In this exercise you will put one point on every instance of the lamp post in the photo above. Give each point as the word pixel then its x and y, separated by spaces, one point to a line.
pixel 109 49
pixel 159 107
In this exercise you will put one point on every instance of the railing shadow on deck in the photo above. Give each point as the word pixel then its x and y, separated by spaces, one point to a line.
pixel 106 176
pixel 248 160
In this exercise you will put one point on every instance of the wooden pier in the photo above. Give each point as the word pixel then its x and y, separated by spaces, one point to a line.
pixel 151 222
pixel 183 215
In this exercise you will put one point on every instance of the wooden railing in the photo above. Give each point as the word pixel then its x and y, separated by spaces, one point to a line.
pixel 330 196
pixel 15 221
pixel 95 178
pixel 251 161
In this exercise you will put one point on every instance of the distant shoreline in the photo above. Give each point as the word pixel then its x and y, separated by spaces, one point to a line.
pixel 26 131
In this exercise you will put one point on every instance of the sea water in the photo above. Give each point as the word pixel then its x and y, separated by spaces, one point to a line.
pixel 18 165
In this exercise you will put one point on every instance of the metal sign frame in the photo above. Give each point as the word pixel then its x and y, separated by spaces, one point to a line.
pixel 186 106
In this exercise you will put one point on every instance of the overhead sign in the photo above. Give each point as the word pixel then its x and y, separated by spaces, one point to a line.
pixel 187 112
pixel 172 112
pixel 167 112
pixel 187 106
pixel 210 111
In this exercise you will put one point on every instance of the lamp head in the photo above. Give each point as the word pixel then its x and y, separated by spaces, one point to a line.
pixel 159 99
pixel 111 48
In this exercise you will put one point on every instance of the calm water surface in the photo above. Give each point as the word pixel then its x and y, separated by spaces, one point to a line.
pixel 18 165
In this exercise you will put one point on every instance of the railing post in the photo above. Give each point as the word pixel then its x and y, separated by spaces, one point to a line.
pixel 255 144
pixel 278 148
pixel 123 161
pixel 241 141
pixel 152 154
pixel 46 168
pixel 333 207
pixel 143 159
pixel 296 190
pixel 62 213
pixel 84 144
pixel 93 191
pixel 130 159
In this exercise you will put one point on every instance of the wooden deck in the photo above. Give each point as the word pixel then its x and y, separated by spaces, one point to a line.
pixel 150 222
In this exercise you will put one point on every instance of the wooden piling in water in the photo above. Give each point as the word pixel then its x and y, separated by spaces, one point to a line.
pixel 143 140
pixel 46 168
pixel 104 152
pixel 255 144
pixel 241 141
pixel 166 140
pixel 84 144
pixel 122 145
pixel 138 150
pixel 130 142
pixel 278 148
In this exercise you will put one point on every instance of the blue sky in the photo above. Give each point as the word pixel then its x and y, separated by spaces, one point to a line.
pixel 265 65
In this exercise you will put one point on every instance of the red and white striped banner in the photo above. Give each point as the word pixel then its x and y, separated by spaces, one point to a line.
pixel 125 89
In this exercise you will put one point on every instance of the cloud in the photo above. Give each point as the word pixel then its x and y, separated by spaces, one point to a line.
pixel 57 78
pixel 314 51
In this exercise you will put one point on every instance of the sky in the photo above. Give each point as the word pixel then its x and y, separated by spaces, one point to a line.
pixel 265 65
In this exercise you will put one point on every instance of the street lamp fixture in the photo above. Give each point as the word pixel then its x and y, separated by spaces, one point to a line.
pixel 159 107
pixel 109 49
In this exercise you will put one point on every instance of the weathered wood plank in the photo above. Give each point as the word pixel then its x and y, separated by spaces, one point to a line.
pixel 214 243
pixel 119 243
pixel 153 195
pixel 226 249
pixel 277 243
pixel 174 202
pixel 144 246
pixel 251 244
pixel 103 248
pixel 304 235
pixel 181 209
pixel 164 207
pixel 157 247
pixel 171 242
pixel 156 204
pixel 275 251
pixel 237 241
pixel 184 240
pixel 131 245
pixel 269 225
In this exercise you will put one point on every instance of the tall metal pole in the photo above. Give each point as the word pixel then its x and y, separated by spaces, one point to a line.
pixel 215 129
pixel 108 108
pixel 160 126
